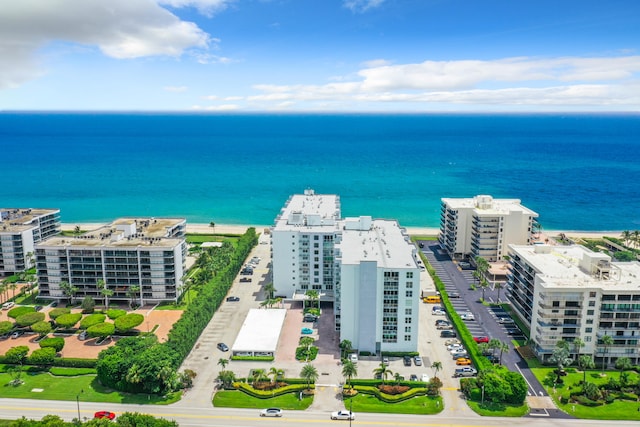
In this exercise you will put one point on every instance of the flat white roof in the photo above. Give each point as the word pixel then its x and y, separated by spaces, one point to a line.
pixel 384 241
pixel 559 267
pixel 260 331
pixel 487 205
pixel 309 210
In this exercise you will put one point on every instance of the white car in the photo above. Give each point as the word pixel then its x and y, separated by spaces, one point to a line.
pixel 271 412
pixel 505 320
pixel 455 346
pixel 343 415
pixel 8 305
pixel 467 316
pixel 452 341
pixel 425 378
pixel 353 357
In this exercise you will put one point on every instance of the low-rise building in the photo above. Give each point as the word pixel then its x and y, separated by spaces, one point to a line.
pixel 569 292
pixel 138 259
pixel 20 230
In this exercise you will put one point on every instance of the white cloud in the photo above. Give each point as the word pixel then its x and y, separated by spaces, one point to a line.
pixel 360 6
pixel 205 7
pixel 176 89
pixel 119 28
pixel 568 81
pixel 223 107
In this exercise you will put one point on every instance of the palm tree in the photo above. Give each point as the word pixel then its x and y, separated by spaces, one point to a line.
pixel 437 366
pixel 223 362
pixel 606 342
pixel 383 371
pixel 494 344
pixel 3 289
pixel 577 344
pixel 345 347
pixel 624 364
pixel 258 375
pixel 483 285
pixel 269 290
pixel 585 362
pixel 626 236
pixel 498 286
pixel 349 371
pixel 276 373
pixel 310 374
pixel 561 358
pixel 106 292
pixel 313 296
pixel 68 289
pixel 636 238
pixel 504 346
pixel 213 225
pixel 132 292
pixel 227 378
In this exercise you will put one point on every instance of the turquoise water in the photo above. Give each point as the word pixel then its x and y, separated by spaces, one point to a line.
pixel 579 172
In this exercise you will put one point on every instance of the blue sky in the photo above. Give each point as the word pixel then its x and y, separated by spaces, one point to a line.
pixel 320 55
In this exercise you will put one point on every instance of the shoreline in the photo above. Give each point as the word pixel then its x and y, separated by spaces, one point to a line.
pixel 202 228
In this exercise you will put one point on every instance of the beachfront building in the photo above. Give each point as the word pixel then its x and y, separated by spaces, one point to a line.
pixel 570 292
pixel 367 269
pixel 302 242
pixel 140 259
pixel 377 286
pixel 483 226
pixel 20 230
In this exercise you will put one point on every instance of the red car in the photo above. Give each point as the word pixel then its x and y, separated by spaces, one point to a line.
pixel 104 414
pixel 481 339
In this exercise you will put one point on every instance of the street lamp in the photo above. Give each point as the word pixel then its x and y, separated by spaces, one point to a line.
pixel 482 402
pixel 350 411
pixel 78 403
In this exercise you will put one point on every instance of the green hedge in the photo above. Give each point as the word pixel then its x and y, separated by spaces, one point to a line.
pixel 264 394
pixel 72 362
pixel 389 398
pixel 114 313
pixel 400 353
pixel 71 372
pixel 29 319
pixel 56 343
pixel 16 312
pixel 128 321
pixel 92 319
pixel 101 330
pixel 5 326
pixel 254 358
pixel 374 383
pixel 68 320
pixel 57 312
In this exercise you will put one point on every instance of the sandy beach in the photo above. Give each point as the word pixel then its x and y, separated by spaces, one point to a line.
pixel 197 228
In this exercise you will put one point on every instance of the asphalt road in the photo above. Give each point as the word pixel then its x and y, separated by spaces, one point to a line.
pixel 186 416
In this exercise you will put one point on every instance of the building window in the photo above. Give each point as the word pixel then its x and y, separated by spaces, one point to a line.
pixel 407 320
pixel 592 303
pixel 587 339
pixel 316 237
pixel 407 329
pixel 409 285
pixel 407 311
pixel 407 337
pixel 409 294
pixel 555 304
pixel 592 294
pixel 409 274
pixel 588 330
pixel 590 312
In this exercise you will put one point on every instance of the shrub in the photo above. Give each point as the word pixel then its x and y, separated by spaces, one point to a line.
pixel 29 319
pixel 42 328
pixel 303 354
pixel 5 326
pixel 42 356
pixel 101 330
pixel 114 313
pixel 57 343
pixel 71 372
pixel 68 320
pixel 92 319
pixel 72 362
pixel 16 355
pixel 57 312
pixel 392 389
pixel 88 304
pixel 128 321
pixel 16 312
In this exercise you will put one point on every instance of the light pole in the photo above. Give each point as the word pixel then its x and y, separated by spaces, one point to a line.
pixel 350 411
pixel 78 403
pixel 482 402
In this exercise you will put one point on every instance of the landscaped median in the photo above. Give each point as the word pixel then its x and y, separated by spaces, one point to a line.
pixel 290 394
pixel 403 397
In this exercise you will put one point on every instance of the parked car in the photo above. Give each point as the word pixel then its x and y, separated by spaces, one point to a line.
pixel 448 334
pixel 442 322
pixel 413 377
pixel 385 361
pixel 54 304
pixel 424 378
pixel 505 320
pixel 306 331
pixel 514 331
pixel 83 335
pixel 481 339
pixel 271 412
pixel 104 414
pixel 455 346
pixel 310 318
pixel 353 357
pixel 492 358
pixel 16 334
pixel 8 305
pixel 465 265
pixel 454 295
pixel 467 316
pixel 463 361
pixel 245 279
pixel 439 312
pixel 343 415
pixel 444 326
pixel 222 346
pixel 406 360
pixel 458 353
pixel 467 371
pixel 233 299
pixel 417 360
pixel 37 308
pixel 452 341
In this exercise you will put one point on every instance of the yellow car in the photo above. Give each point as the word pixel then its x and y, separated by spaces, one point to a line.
pixel 463 361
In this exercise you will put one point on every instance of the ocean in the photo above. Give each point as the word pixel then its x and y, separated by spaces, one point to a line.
pixel 578 171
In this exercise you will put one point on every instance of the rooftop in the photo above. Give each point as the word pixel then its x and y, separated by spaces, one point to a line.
pixel 15 219
pixel 573 267
pixel 260 331
pixel 308 211
pixel 126 232
pixel 384 241
pixel 487 205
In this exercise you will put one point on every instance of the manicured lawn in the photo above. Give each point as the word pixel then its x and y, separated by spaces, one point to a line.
pixel 489 409
pixel 426 405
pixel 238 399
pixel 618 410
pixel 67 388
